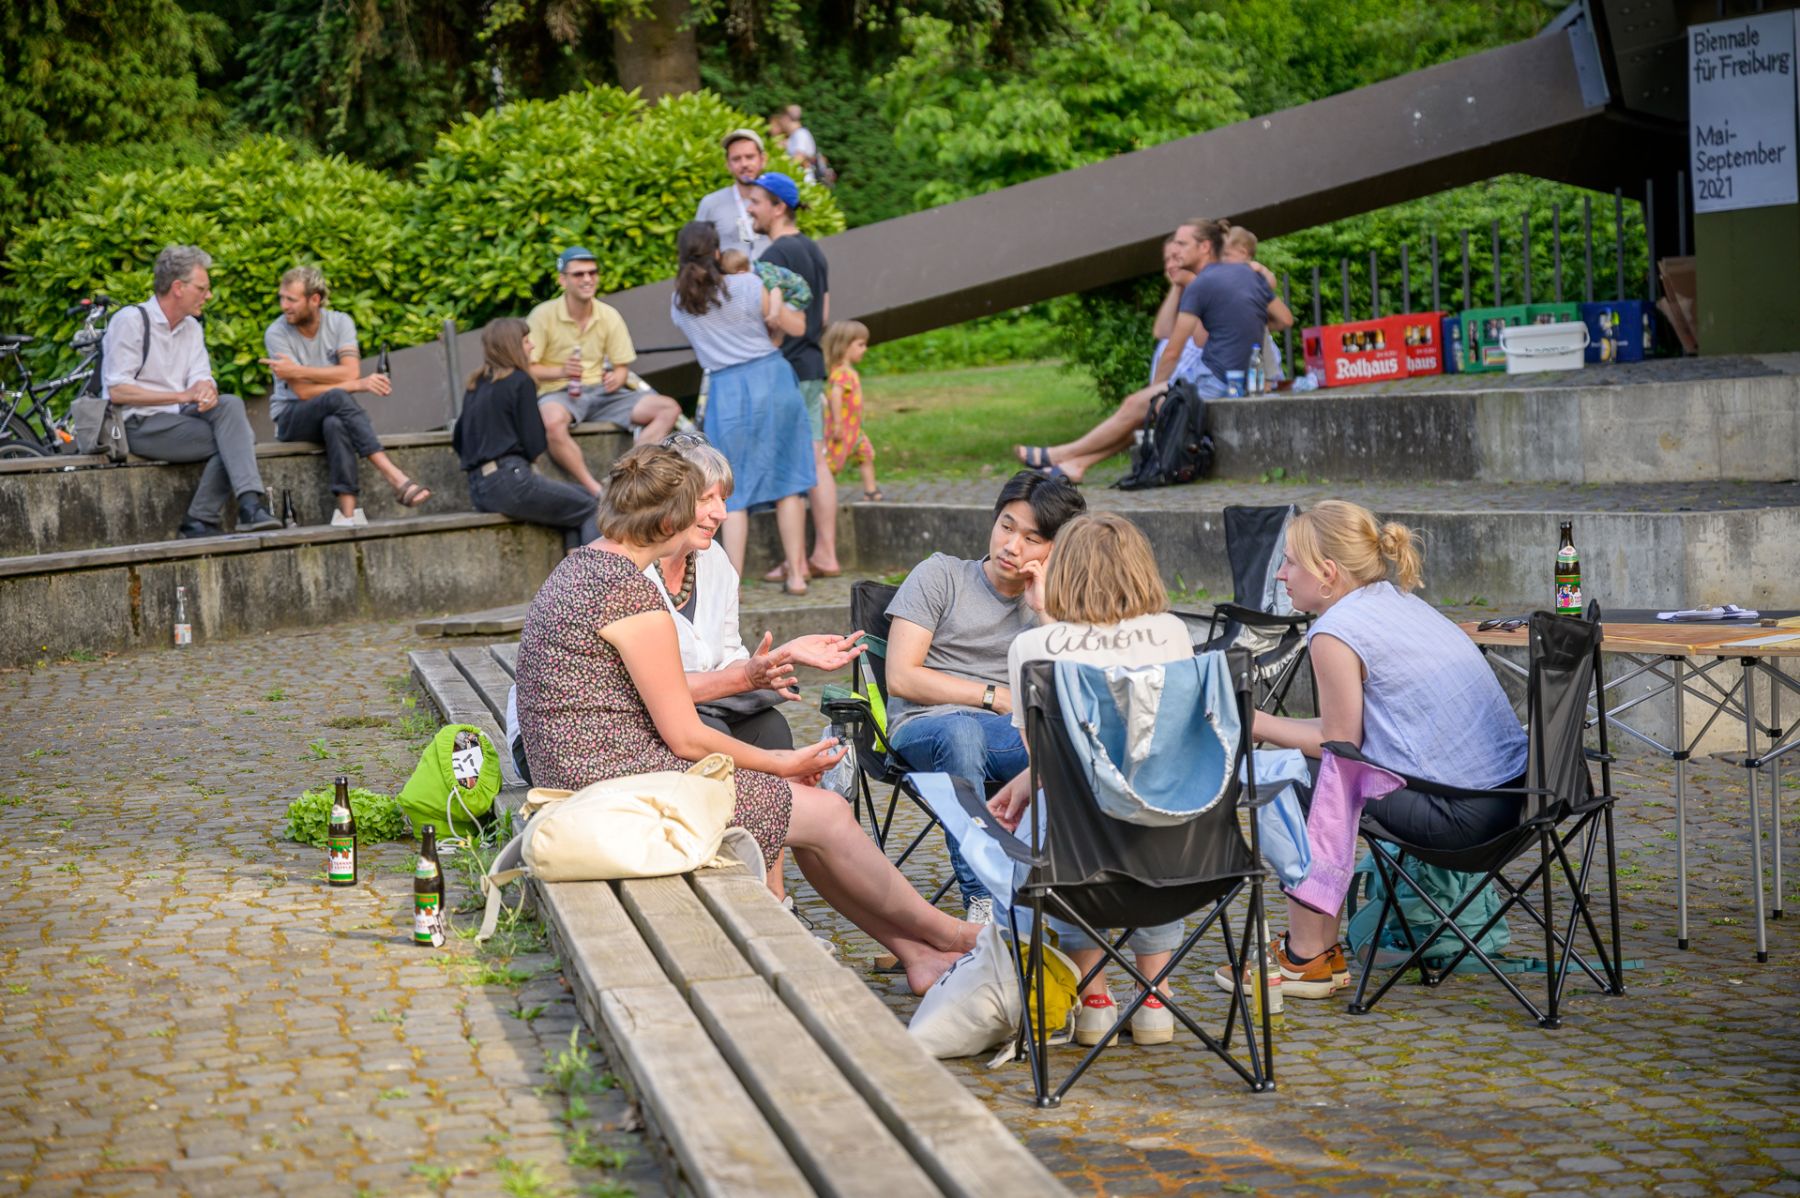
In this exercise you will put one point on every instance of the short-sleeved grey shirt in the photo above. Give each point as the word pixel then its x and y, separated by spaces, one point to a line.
pixel 971 624
pixel 724 209
pixel 337 333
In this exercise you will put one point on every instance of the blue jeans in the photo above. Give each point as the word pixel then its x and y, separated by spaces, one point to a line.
pixel 981 746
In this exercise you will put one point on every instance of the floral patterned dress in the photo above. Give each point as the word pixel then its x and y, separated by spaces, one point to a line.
pixel 582 718
pixel 844 438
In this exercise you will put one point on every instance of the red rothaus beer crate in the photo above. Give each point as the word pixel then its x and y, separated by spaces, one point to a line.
pixel 1363 351
pixel 1421 336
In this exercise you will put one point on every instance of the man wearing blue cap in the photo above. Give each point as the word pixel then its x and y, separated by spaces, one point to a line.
pixel 580 357
pixel 772 204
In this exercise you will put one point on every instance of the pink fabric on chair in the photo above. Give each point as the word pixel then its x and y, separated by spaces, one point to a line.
pixel 1338 797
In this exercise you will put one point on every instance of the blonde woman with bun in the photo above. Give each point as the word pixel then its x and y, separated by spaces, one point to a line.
pixel 1399 680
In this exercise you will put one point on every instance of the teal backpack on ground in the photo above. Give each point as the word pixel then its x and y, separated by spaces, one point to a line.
pixel 1447 887
pixel 436 795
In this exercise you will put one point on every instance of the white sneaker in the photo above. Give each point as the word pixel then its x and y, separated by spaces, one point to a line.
pixel 339 520
pixel 1152 1023
pixel 981 910
pixel 360 517
pixel 1094 1018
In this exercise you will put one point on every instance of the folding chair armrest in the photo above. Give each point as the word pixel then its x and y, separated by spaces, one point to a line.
pixel 1597 755
pixel 1350 752
pixel 1257 618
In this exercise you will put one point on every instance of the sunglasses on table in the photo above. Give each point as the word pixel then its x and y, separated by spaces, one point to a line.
pixel 1503 624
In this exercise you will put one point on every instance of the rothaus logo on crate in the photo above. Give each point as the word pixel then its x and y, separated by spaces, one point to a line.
pixel 1362 370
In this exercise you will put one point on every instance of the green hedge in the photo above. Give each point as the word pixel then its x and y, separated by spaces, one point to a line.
pixel 473 235
pixel 258 210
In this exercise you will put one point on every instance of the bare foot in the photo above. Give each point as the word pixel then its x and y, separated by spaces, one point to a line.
pixel 926 968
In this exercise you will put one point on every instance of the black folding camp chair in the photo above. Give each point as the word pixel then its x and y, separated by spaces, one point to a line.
pixel 1095 871
pixel 1259 619
pixel 877 761
pixel 1560 811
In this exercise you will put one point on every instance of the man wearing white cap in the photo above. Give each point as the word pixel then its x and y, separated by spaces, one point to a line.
pixel 725 208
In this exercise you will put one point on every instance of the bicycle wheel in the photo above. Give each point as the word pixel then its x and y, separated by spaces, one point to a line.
pixel 19 440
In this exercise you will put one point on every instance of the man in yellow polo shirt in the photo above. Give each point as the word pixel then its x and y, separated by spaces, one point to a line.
pixel 575 320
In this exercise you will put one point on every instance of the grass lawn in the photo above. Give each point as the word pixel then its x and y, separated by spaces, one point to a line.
pixel 964 423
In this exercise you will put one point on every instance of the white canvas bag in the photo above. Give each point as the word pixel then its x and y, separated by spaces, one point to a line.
pixel 640 826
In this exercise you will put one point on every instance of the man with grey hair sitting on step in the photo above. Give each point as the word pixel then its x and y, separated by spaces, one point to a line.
pixel 317 365
pixel 156 368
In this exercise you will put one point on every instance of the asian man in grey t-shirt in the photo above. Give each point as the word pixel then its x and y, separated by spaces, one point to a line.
pixel 953 621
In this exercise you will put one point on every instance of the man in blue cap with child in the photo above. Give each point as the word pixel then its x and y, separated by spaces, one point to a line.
pixel 772 204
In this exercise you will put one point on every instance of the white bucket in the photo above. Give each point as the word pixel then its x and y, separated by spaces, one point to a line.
pixel 1534 347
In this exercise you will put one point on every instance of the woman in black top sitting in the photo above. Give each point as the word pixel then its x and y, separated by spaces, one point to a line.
pixel 500 434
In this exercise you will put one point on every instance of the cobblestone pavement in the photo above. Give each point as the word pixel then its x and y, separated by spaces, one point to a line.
pixel 188 1008
pixel 1688 1084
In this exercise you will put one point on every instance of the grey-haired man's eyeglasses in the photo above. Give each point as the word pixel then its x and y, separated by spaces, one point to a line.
pixel 684 440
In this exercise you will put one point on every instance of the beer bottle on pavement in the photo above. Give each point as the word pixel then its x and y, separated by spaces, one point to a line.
pixel 184 631
pixel 428 891
pixel 1568 574
pixel 340 838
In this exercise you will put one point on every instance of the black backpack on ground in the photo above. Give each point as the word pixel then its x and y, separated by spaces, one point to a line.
pixel 1176 447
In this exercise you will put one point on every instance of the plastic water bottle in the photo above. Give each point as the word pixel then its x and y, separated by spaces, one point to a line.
pixel 1253 373
pixel 842 776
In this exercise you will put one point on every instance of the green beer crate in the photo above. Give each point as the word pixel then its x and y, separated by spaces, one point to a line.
pixel 1481 331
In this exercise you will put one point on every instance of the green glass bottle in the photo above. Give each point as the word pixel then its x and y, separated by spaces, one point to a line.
pixel 340 838
pixel 428 891
pixel 1568 574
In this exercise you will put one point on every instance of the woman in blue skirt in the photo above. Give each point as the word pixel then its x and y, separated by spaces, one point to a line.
pixel 754 412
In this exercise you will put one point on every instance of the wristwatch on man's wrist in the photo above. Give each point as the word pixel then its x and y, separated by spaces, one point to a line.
pixel 987 697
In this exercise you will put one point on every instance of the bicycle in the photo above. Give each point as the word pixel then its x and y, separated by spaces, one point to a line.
pixel 29 400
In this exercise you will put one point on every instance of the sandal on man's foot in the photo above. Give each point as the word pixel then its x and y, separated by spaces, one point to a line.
pixel 411 494
pixel 1036 457
pixel 874 496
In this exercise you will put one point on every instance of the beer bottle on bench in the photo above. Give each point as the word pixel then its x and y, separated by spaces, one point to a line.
pixel 1568 574
pixel 340 838
pixel 428 891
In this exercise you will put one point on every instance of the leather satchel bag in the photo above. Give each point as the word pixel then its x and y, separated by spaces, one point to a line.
pixel 640 826
pixel 99 426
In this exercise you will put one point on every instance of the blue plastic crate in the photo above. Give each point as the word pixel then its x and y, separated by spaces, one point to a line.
pixel 1618 330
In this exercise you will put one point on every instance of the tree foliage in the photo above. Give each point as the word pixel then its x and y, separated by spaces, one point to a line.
pixel 1120 76
pixel 96 84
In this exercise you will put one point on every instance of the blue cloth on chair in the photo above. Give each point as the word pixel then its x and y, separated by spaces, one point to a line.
pixel 1280 824
pixel 1156 741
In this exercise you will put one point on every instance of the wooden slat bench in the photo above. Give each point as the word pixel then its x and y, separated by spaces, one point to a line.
pixel 765 1065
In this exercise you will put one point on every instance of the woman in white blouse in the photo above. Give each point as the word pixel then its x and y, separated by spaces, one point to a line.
pixel 735 691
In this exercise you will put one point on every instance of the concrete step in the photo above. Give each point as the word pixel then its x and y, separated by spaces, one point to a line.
pixel 1647 545
pixel 98 600
pixel 1682 420
pixel 56 505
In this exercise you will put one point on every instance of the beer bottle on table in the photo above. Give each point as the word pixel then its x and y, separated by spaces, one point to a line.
pixel 428 891
pixel 340 838
pixel 1568 574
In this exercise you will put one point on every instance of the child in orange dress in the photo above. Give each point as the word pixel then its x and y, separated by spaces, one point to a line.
pixel 844 344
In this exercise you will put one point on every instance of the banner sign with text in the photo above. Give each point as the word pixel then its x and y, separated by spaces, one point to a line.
pixel 1741 98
